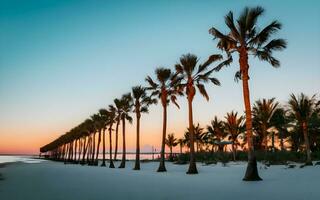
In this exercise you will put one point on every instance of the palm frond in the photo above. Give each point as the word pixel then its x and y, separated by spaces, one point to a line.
pixel 203 91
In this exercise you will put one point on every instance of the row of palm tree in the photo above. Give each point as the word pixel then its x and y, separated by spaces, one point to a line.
pixel 269 118
pixel 243 37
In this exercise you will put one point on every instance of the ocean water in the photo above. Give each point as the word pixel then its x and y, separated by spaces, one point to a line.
pixel 24 159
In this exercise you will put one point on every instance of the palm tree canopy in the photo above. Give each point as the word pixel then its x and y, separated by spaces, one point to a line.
pixel 142 100
pixel 191 75
pixel 263 110
pixel 164 86
pixel 302 107
pixel 234 124
pixel 246 34
pixel 171 141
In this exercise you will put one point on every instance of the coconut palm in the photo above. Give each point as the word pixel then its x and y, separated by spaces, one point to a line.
pixel 126 107
pixel 193 77
pixel 262 113
pixel 233 126
pixel 181 144
pixel 302 107
pixel 118 111
pixel 141 104
pixel 104 118
pixel 246 38
pixel 171 142
pixel 281 122
pixel 165 89
pixel 111 120
pixel 216 133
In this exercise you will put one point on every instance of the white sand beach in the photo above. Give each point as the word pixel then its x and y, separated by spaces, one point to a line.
pixel 55 181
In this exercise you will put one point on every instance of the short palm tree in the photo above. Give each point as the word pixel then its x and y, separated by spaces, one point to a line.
pixel 171 142
pixel 233 126
pixel 216 132
pixel 141 104
pixel 246 38
pixel 126 105
pixel 193 77
pixel 165 89
pixel 302 107
pixel 181 144
pixel 262 112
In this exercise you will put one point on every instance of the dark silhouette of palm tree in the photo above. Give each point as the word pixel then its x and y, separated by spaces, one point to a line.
pixel 302 108
pixel 126 107
pixel 164 88
pixel 141 104
pixel 193 77
pixel 104 118
pixel 111 120
pixel 216 133
pixel 171 142
pixel 262 113
pixel 234 126
pixel 118 111
pixel 245 38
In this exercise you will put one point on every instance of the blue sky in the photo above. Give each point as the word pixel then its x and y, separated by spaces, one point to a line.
pixel 60 61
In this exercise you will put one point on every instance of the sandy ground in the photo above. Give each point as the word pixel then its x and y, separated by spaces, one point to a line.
pixel 53 180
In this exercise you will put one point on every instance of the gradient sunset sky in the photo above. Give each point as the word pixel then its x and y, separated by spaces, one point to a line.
pixel 61 61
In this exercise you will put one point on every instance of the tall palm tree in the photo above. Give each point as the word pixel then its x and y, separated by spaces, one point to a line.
pixel 111 120
pixel 98 123
pixel 165 89
pixel 246 38
pixel 194 77
pixel 302 107
pixel 126 106
pixel 233 126
pixel 281 122
pixel 262 112
pixel 141 104
pixel 171 142
pixel 118 111
pixel 104 118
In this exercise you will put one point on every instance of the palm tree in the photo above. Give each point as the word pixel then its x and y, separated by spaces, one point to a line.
pixel 171 142
pixel 118 111
pixel 104 118
pixel 111 121
pixel 280 121
pixel 262 112
pixel 192 78
pixel 302 107
pixel 165 89
pixel 216 132
pixel 181 144
pixel 234 126
pixel 126 105
pixel 247 38
pixel 141 104
pixel 98 123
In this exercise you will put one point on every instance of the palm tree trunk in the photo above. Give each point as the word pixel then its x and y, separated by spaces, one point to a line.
pixel 306 142
pixel 84 150
pixel 103 148
pixel 137 162
pixel 192 165
pixel 123 161
pixel 171 155
pixel 252 170
pixel 93 148
pixel 162 167
pixel 110 149
pixel 116 147
pixel 98 148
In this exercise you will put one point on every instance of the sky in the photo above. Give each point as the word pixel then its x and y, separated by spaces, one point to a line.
pixel 61 61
